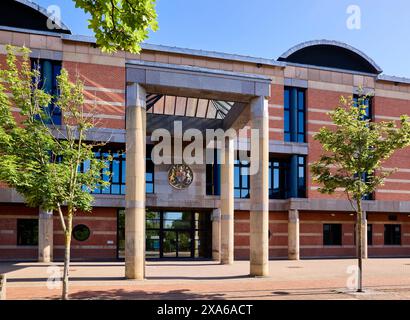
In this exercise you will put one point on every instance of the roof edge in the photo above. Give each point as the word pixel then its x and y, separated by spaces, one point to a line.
pixel 44 12
pixel 186 51
pixel 385 77
pixel 331 43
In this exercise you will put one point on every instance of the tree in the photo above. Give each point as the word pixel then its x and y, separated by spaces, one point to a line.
pixel 120 24
pixel 41 161
pixel 354 151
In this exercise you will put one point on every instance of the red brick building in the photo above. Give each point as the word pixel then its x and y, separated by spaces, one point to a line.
pixel 214 90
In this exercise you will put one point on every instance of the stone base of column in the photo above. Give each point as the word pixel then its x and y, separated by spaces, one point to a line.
pixel 135 244
pixel 45 236
pixel 259 244
pixel 293 235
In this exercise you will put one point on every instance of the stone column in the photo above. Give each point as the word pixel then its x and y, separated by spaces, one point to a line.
pixel 364 233
pixel 216 234
pixel 135 181
pixel 293 235
pixel 227 202
pixel 45 236
pixel 259 192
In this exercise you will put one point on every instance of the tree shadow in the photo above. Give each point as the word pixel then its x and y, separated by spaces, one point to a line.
pixel 121 294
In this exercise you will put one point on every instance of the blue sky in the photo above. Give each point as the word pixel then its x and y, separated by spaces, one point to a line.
pixel 267 28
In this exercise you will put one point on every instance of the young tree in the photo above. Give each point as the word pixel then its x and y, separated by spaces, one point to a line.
pixel 41 161
pixel 354 151
pixel 120 24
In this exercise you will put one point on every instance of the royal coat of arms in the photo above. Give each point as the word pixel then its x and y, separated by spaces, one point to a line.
pixel 180 176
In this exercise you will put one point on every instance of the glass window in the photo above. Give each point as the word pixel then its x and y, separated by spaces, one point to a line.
pixel 115 173
pixel 241 179
pixel 294 114
pixel 392 234
pixel 369 234
pixel 49 70
pixel 301 177
pixel 213 176
pixel 81 232
pixel 280 178
pixel 27 232
pixel 367 102
pixel 332 234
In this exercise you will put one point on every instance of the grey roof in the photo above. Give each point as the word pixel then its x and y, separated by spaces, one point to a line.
pixel 330 43
pixel 254 77
pixel 385 77
pixel 43 11
pixel 192 52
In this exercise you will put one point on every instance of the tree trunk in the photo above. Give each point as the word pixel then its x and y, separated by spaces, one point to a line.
pixel 359 245
pixel 67 254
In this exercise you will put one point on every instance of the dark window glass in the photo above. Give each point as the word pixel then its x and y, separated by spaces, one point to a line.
pixel 149 171
pixel 392 234
pixel 81 232
pixel 27 232
pixel 115 172
pixel 294 114
pixel 280 178
pixel 332 234
pixel 213 176
pixel 369 234
pixel 49 70
pixel 241 179
pixel 367 102
pixel 301 177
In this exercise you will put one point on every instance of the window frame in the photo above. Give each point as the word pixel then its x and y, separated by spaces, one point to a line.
pixel 293 128
pixel 19 240
pixel 54 112
pixel 241 166
pixel 392 240
pixel 330 239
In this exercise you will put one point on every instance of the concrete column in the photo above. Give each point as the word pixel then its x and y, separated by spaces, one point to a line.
pixel 135 180
pixel 259 192
pixel 364 233
pixel 216 234
pixel 45 236
pixel 293 235
pixel 227 202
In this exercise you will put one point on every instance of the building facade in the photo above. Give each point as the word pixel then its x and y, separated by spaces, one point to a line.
pixel 224 214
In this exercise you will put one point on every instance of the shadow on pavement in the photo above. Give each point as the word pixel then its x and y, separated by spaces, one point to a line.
pixel 121 294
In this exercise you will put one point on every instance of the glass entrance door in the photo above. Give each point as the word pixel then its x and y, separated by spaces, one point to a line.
pixel 172 234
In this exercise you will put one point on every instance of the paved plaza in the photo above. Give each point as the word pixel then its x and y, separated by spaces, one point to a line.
pixel 292 280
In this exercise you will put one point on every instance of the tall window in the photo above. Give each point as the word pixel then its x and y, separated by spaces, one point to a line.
pixel 283 182
pixel 241 179
pixel 149 170
pixel 392 234
pixel 27 232
pixel 49 70
pixel 301 175
pixel 116 168
pixel 367 102
pixel 332 234
pixel 295 114
pixel 278 179
pixel 369 234
pixel 213 176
